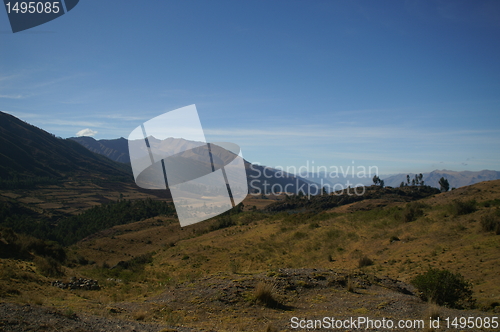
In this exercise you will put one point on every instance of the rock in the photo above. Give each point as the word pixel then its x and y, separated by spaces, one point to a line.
pixel 80 283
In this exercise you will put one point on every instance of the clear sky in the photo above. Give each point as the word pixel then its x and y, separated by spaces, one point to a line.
pixel 407 86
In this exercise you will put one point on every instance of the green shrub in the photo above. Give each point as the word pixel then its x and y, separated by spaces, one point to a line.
pixel 250 216
pixel 23 246
pixel 492 202
pixel 299 235
pixel 411 212
pixel 333 233
pixel 364 261
pixel 394 238
pixel 444 288
pixel 222 222
pixel 459 207
pixel 48 266
pixel 313 224
pixel 490 223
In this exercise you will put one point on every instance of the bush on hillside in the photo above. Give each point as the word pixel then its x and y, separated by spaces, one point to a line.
pixel 364 261
pixel 412 211
pixel 21 246
pixel 444 288
pixel 490 223
pixel 222 222
pixel 48 267
pixel 459 207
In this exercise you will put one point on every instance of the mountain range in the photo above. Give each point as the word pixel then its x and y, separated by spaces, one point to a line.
pixel 261 179
pixel 30 154
pixel 114 149
pixel 117 150
pixel 455 179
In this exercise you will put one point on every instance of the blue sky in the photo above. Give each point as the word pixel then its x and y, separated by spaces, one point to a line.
pixel 405 86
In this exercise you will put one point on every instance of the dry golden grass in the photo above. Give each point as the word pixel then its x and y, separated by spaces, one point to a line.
pixel 271 328
pixel 435 239
pixel 433 312
pixel 264 294
pixel 140 315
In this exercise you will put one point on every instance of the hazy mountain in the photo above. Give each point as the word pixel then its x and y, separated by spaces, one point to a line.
pixel 114 149
pixel 338 181
pixel 30 152
pixel 260 178
pixel 117 150
pixel 456 179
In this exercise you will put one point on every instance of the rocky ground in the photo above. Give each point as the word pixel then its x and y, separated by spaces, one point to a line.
pixel 17 318
pixel 232 302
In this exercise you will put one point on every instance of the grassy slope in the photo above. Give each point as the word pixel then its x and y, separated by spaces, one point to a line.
pixel 261 243
pixel 436 239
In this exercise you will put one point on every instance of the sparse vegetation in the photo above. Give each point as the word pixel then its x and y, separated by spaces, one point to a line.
pixel 24 247
pixel 70 230
pixel 491 202
pixel 491 223
pixel 411 212
pixel 222 222
pixel 234 266
pixel 127 271
pixel 460 207
pixel 271 328
pixel 48 266
pixel 350 285
pixel 140 315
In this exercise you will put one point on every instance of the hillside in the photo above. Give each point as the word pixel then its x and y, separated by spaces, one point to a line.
pixel 30 153
pixel 44 179
pixel 209 275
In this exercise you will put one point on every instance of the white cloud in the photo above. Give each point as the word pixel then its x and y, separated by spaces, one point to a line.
pixel 11 96
pixel 72 123
pixel 122 117
pixel 86 132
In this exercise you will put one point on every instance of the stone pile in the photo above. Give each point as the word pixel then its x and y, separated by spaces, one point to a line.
pixel 80 283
